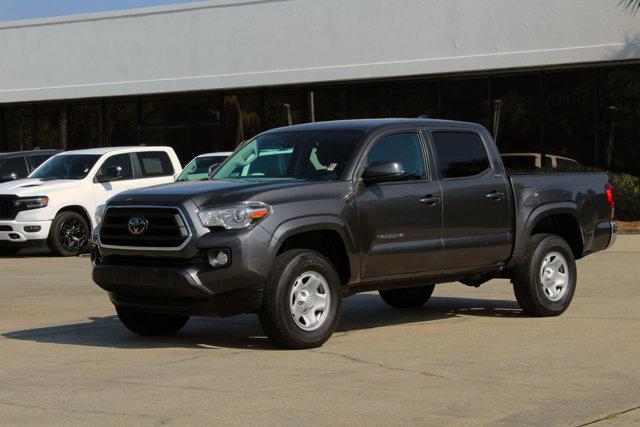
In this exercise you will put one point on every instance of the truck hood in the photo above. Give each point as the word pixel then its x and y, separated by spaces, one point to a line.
pixel 207 193
pixel 37 187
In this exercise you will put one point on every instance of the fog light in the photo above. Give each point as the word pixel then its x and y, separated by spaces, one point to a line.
pixel 14 236
pixel 218 258
pixel 32 228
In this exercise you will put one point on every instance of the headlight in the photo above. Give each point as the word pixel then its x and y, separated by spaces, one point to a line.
pixel 100 213
pixel 35 202
pixel 234 217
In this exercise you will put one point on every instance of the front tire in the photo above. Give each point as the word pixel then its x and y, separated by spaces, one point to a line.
pixel 412 297
pixel 545 280
pixel 68 235
pixel 302 300
pixel 151 324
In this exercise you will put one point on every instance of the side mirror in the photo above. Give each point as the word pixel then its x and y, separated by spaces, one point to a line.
pixel 383 172
pixel 11 177
pixel 212 169
pixel 113 173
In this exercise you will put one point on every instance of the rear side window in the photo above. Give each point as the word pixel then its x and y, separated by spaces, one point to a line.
pixel 460 154
pixel 155 163
pixel 404 148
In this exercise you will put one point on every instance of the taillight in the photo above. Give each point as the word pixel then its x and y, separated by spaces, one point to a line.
pixel 608 189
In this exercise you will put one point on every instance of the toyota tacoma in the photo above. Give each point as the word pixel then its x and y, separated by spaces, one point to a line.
pixel 300 217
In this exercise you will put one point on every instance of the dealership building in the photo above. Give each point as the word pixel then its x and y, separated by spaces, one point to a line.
pixel 545 76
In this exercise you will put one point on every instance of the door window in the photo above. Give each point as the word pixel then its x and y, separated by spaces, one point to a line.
pixel 403 148
pixel 12 168
pixel 460 154
pixel 121 160
pixel 154 164
pixel 38 160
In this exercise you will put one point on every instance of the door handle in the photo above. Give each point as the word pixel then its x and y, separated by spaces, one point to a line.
pixel 495 195
pixel 430 200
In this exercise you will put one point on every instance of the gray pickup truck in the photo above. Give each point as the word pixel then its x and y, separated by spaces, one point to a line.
pixel 300 217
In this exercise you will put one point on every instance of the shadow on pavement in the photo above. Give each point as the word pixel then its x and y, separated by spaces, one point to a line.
pixel 359 312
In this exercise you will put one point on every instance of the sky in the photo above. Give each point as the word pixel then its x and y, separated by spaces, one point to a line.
pixel 11 10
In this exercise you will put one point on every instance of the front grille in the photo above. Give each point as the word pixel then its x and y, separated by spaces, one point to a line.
pixel 7 207
pixel 199 260
pixel 165 228
pixel 6 228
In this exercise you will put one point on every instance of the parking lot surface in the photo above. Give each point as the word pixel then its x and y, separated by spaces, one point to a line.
pixel 469 357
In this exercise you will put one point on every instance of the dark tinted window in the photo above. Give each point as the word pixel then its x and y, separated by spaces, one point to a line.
pixel 12 166
pixel 119 160
pixel 460 154
pixel 404 148
pixel 39 159
pixel 155 163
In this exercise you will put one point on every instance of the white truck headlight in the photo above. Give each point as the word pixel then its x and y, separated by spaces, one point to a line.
pixel 35 202
pixel 234 217
pixel 100 213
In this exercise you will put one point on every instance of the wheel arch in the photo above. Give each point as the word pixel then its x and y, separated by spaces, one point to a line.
pixel 325 234
pixel 80 210
pixel 561 221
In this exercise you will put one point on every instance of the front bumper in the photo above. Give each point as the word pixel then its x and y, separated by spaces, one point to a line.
pixel 172 282
pixel 13 232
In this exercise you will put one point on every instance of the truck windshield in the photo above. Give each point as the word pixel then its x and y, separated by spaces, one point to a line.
pixel 66 166
pixel 312 155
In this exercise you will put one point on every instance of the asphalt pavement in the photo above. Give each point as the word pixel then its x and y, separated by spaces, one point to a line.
pixel 469 357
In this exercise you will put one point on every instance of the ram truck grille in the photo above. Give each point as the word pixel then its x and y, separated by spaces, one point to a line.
pixel 143 227
pixel 7 207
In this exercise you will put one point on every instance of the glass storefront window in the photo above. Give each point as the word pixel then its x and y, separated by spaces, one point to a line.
pixel 329 104
pixel 84 126
pixel 570 116
pixel 18 129
pixel 515 116
pixel 466 100
pixel 51 127
pixel 242 118
pixel 619 120
pixel 120 124
pixel 190 125
pixel 285 108
pixel 371 101
pixel 417 99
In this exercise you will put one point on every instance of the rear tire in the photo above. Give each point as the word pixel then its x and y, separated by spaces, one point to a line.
pixel 545 280
pixel 151 324
pixel 9 251
pixel 302 300
pixel 68 235
pixel 412 297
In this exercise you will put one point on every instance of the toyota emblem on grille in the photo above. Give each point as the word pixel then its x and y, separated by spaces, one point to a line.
pixel 137 226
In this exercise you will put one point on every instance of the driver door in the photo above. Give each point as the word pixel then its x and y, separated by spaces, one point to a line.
pixel 102 191
pixel 401 221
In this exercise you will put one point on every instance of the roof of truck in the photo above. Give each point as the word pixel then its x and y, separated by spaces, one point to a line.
pixel 367 125
pixel 104 150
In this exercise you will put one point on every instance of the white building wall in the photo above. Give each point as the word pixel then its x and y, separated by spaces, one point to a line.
pixel 240 43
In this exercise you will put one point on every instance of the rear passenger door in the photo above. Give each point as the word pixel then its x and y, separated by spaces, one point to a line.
pixel 476 211
pixel 154 168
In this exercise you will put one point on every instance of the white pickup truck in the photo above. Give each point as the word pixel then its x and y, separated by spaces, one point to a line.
pixel 57 203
